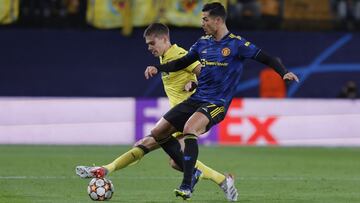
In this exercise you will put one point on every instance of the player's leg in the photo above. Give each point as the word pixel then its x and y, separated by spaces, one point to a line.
pixel 161 131
pixel 179 136
pixel 176 117
pixel 206 172
pixel 225 181
pixel 197 173
pixel 163 136
pixel 201 170
pixel 133 156
pixel 201 121
pixel 195 125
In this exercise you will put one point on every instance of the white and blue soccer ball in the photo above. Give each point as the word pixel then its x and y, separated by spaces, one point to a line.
pixel 100 189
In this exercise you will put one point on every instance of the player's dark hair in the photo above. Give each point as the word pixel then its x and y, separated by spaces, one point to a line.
pixel 156 29
pixel 215 9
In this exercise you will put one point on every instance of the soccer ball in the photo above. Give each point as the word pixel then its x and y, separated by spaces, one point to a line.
pixel 100 189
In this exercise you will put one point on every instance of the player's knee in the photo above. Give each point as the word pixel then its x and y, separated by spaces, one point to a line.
pixel 159 135
pixel 148 142
pixel 189 129
pixel 154 132
pixel 140 142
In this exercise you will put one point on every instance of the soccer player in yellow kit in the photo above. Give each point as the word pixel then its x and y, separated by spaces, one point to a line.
pixel 178 87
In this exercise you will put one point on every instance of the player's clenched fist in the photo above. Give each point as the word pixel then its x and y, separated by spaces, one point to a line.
pixel 150 71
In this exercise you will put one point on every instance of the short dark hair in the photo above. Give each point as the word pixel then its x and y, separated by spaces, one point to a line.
pixel 215 9
pixel 156 29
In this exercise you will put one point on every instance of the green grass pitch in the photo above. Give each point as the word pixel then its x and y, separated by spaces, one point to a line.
pixel 263 174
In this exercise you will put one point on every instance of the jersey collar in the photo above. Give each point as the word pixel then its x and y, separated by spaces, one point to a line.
pixel 223 38
pixel 226 36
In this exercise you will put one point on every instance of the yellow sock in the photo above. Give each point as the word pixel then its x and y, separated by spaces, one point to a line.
pixel 209 173
pixel 125 159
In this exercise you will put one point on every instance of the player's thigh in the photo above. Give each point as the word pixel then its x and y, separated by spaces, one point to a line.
pixel 214 114
pixel 149 142
pixel 196 124
pixel 179 114
pixel 162 129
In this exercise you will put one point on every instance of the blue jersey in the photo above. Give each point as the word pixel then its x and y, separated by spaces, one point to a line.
pixel 222 65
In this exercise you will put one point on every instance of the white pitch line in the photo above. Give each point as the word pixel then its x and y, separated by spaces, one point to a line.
pixel 250 178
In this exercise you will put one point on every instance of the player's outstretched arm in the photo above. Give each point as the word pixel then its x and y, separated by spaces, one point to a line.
pixel 178 64
pixel 276 64
pixel 172 66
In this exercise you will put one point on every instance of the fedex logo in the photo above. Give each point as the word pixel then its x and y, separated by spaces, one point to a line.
pixel 235 129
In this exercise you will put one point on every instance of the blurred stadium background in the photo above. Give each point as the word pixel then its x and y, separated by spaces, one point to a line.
pixel 71 73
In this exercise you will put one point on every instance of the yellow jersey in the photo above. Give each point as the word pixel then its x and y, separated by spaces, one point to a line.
pixel 174 82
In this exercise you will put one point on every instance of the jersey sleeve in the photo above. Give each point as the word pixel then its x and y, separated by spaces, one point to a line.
pixel 194 52
pixel 247 49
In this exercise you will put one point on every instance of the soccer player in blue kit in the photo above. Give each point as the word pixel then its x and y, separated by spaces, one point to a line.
pixel 222 55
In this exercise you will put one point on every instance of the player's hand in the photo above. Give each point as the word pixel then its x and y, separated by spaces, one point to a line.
pixel 150 71
pixel 190 86
pixel 290 76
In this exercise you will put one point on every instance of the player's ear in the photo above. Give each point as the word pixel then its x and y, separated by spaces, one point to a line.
pixel 219 19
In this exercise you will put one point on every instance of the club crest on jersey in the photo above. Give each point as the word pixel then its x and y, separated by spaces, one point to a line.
pixel 225 51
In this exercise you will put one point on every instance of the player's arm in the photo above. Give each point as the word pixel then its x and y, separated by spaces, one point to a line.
pixel 275 64
pixel 175 65
pixel 178 64
pixel 172 66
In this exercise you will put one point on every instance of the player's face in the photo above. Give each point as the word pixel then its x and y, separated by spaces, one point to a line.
pixel 209 23
pixel 156 44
